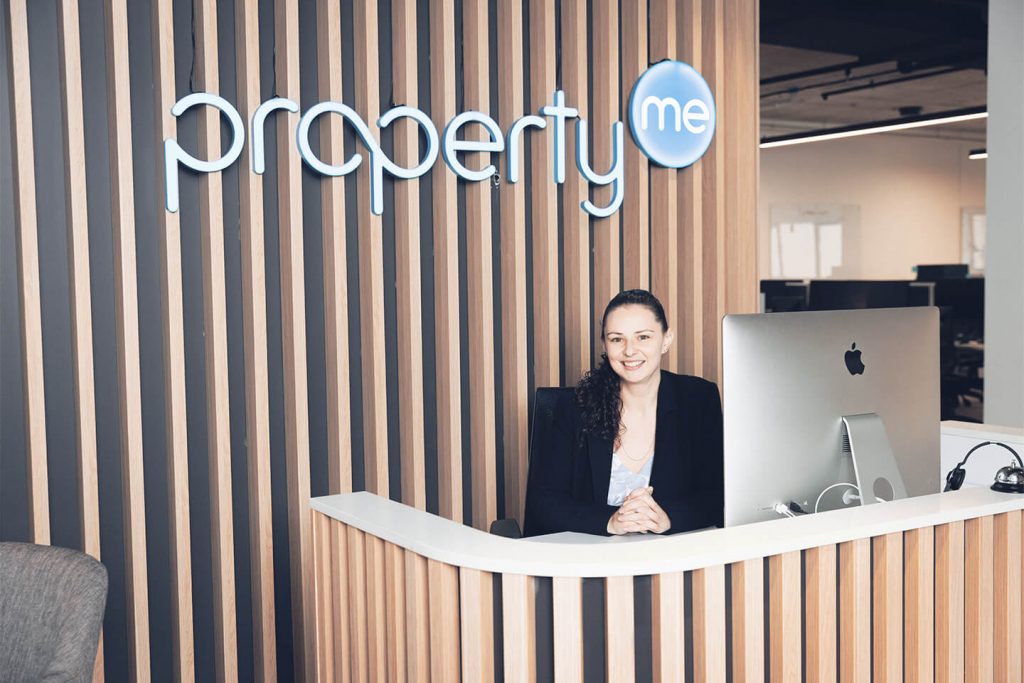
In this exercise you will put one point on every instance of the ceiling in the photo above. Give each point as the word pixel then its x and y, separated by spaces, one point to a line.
pixel 896 57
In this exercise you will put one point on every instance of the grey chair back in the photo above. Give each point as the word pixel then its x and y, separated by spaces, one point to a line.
pixel 51 609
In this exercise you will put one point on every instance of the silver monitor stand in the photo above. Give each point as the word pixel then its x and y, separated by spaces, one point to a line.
pixel 878 475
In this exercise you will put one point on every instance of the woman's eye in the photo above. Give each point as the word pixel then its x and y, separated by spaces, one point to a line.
pixel 644 337
pixel 615 340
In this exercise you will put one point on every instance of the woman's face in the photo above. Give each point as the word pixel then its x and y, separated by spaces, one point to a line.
pixel 635 342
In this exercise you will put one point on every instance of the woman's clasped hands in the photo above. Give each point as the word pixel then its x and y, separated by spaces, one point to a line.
pixel 639 513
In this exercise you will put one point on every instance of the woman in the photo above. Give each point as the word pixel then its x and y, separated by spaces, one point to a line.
pixel 637 449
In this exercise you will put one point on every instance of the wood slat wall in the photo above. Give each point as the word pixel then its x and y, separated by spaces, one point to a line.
pixel 797 637
pixel 126 324
pixel 252 240
pixel 29 302
pixel 173 332
pixel 281 327
pixel 211 218
pixel 444 207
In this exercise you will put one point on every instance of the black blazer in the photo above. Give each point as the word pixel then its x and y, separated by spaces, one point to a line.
pixel 569 473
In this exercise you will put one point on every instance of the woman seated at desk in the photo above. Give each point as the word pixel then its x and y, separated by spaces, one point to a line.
pixel 636 449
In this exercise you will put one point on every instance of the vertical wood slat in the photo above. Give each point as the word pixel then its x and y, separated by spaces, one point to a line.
pixel 887 607
pixel 395 601
pixel 547 324
pixel 476 621
pixel 919 605
pixel 126 315
pixel 567 608
pixel 446 269
pixel 480 277
pixel 79 286
pixel 215 347
pixel 577 318
pixel 636 235
pixel 668 629
pixel 1007 573
pixel 175 397
pixel 664 194
pixel 855 610
pixel 709 623
pixel 820 614
pixel 293 347
pixel 376 609
pixel 358 586
pixel 713 265
pixel 619 636
pixel 978 599
pixel 407 261
pixel 371 262
pixel 519 637
pixel 949 602
pixel 784 600
pixel 741 121
pixel 254 344
pixel 335 260
pixel 79 278
pixel 514 370
pixel 607 276
pixel 541 147
pixel 689 292
pixel 27 239
pixel 747 590
pixel 324 592
pixel 340 572
pixel 445 658
pixel 417 618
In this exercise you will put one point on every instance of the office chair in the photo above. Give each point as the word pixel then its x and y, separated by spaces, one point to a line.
pixel 51 609
pixel 545 400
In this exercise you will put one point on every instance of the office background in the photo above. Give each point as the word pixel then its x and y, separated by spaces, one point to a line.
pixel 176 386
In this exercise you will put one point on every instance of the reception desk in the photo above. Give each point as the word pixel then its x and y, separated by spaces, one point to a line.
pixel 919 589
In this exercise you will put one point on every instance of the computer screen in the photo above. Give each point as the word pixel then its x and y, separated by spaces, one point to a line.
pixel 781 296
pixel 963 302
pixel 941 271
pixel 839 295
pixel 788 381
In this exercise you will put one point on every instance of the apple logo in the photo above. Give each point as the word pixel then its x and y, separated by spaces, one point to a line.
pixel 853 361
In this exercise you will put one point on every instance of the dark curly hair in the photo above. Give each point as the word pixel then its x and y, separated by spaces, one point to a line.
pixel 597 393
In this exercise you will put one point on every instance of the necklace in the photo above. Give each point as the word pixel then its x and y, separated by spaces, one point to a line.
pixel 644 453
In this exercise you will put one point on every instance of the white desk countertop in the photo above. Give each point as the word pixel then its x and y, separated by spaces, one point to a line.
pixel 571 554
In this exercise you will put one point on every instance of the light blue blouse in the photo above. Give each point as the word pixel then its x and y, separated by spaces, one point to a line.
pixel 623 480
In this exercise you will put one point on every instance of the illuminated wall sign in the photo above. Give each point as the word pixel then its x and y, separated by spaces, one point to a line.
pixel 672 114
pixel 668 108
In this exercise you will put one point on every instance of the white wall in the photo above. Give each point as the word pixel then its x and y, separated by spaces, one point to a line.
pixel 910 191
pixel 1004 283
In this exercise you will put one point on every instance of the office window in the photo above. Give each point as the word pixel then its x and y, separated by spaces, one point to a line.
pixel 972 240
pixel 808 242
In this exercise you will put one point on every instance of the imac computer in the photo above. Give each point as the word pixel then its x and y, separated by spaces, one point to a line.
pixel 828 409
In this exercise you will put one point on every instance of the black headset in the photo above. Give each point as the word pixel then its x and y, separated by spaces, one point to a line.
pixel 1009 479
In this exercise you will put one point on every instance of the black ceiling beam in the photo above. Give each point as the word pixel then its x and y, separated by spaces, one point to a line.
pixel 892 81
pixel 822 70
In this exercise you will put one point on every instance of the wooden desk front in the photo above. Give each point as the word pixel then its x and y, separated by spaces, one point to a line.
pixel 920 589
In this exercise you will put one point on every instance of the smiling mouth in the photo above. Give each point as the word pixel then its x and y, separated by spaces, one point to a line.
pixel 632 364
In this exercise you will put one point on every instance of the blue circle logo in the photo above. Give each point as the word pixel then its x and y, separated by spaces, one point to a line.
pixel 672 114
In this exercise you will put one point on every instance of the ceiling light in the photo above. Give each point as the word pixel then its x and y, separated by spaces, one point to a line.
pixel 937 119
pixel 978 154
